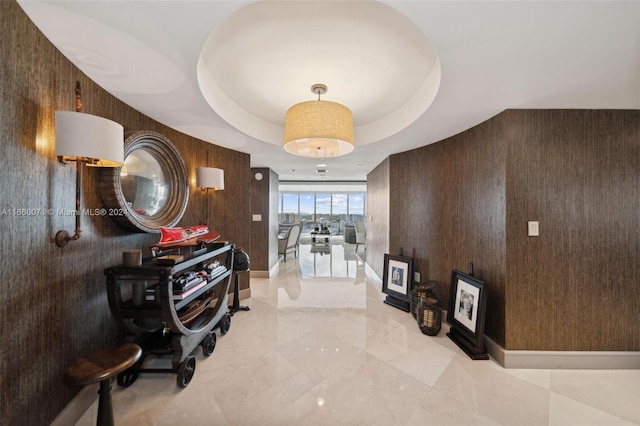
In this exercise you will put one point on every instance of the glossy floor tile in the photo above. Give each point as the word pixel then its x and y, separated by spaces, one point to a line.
pixel 319 347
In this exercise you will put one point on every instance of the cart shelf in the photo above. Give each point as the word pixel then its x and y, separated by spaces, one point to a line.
pixel 143 322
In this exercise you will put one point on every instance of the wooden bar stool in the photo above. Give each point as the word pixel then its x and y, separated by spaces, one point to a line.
pixel 101 366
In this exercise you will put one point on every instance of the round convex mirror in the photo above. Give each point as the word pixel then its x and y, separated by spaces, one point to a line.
pixel 151 189
pixel 144 184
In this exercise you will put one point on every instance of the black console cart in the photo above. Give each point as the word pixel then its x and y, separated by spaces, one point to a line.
pixel 166 321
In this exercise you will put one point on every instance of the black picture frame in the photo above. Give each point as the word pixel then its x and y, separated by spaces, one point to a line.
pixel 397 280
pixel 466 313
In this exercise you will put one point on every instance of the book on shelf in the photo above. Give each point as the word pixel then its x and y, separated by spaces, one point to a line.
pixel 191 283
pixel 216 271
pixel 188 279
pixel 193 310
pixel 152 293
pixel 184 294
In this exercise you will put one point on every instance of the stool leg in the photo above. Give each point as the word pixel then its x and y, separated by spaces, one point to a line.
pixel 105 407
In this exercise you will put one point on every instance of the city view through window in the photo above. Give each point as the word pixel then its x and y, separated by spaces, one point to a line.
pixel 318 209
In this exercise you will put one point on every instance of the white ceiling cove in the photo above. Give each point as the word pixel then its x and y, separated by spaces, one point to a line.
pixel 413 72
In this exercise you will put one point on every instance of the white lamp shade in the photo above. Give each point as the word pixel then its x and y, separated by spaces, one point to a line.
pixel 97 139
pixel 318 129
pixel 209 177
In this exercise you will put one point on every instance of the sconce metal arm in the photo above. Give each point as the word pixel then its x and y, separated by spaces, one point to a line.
pixel 62 236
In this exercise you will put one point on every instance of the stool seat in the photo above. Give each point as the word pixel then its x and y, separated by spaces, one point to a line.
pixel 102 364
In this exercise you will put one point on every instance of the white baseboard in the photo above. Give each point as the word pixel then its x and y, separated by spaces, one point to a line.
pixel 371 274
pixel 245 293
pixel 583 360
pixel 265 274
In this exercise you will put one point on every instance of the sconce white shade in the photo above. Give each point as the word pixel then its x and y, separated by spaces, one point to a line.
pixel 209 177
pixel 98 140
pixel 318 129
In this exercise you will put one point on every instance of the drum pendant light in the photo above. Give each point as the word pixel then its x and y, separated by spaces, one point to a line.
pixel 318 129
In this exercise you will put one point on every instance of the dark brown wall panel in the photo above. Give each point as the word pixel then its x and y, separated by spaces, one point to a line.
pixel 229 209
pixel 575 286
pixel 53 305
pixel 448 209
pixel 469 198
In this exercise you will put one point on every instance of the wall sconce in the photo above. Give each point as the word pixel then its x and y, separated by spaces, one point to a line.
pixel 209 178
pixel 89 139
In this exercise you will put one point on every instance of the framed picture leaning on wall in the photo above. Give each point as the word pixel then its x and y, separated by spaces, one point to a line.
pixel 466 313
pixel 397 280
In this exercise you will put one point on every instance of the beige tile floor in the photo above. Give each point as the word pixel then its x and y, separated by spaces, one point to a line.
pixel 319 347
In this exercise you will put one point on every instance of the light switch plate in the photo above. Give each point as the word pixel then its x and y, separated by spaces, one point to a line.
pixel 416 277
pixel 534 228
pixel 257 218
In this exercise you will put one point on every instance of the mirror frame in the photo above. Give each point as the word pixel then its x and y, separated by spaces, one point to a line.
pixel 172 165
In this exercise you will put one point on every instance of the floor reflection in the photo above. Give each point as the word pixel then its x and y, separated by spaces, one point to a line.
pixel 323 276
pixel 333 259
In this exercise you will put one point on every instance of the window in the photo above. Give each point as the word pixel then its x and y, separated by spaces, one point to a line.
pixel 289 208
pixel 323 207
pixel 356 207
pixel 307 211
pixel 339 204
pixel 312 209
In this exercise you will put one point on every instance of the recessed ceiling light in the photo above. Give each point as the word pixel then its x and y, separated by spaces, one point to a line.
pixel 321 165
pixel 292 170
pixel 360 165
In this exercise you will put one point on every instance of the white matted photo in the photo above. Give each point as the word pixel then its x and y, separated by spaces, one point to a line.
pixel 397 280
pixel 466 305
pixel 466 313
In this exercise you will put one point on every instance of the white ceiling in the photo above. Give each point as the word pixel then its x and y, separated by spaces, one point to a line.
pixel 492 56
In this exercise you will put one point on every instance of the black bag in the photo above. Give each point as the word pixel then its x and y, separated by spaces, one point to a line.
pixel 240 260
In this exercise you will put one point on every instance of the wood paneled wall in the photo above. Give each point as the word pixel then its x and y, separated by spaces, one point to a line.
pixel 53 305
pixel 448 209
pixel 469 198
pixel 575 287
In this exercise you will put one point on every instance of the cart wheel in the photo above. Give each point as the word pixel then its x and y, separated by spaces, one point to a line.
pixel 225 323
pixel 185 371
pixel 209 344
pixel 126 378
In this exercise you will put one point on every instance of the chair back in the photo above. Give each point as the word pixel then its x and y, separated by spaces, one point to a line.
pixel 294 235
pixel 360 226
